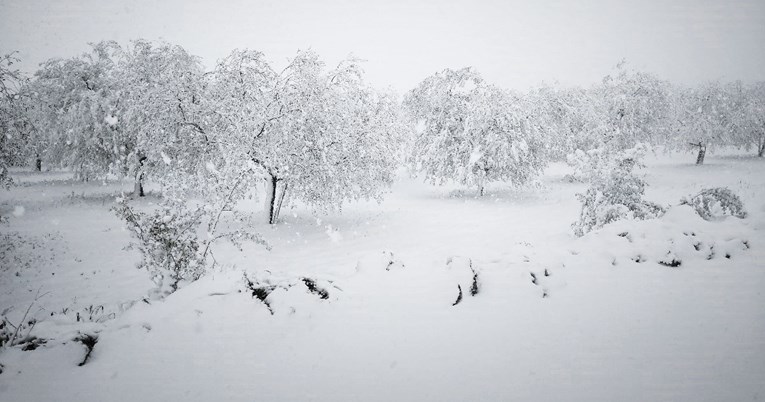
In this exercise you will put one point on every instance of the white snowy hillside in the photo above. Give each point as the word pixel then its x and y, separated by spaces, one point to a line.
pixel 396 200
pixel 434 294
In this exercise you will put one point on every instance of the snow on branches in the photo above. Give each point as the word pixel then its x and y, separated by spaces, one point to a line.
pixel 322 136
pixel 159 87
pixel 472 132
pixel 615 193
pixel 15 126
pixel 77 112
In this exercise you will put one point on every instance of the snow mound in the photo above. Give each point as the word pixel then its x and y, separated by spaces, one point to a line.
pixel 681 238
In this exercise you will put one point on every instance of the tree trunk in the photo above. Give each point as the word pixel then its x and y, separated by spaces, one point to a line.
pixel 270 209
pixel 482 181
pixel 281 200
pixel 761 146
pixel 702 153
pixel 138 187
pixel 80 175
pixel 38 165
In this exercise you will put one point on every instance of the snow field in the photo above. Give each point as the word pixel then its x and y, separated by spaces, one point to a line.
pixel 555 317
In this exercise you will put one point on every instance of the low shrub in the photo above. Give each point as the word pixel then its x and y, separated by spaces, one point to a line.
pixel 712 203
pixel 615 194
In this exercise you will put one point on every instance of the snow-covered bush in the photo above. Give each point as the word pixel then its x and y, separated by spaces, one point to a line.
pixel 615 194
pixel 18 334
pixel 167 241
pixel 170 244
pixel 711 203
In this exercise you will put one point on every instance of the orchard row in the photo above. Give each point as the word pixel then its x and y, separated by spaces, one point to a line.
pixel 323 135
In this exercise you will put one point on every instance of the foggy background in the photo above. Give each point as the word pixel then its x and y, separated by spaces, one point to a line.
pixel 514 44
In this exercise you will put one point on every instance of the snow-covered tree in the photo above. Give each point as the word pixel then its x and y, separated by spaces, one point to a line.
pixel 704 117
pixel 77 114
pixel 122 111
pixel 749 118
pixel 322 136
pixel 472 132
pixel 172 127
pixel 14 126
pixel 159 89
pixel 573 119
pixel 637 106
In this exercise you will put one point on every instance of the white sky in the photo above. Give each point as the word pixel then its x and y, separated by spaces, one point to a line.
pixel 515 44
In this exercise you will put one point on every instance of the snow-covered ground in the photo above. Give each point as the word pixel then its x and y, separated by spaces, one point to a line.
pixel 597 318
